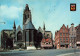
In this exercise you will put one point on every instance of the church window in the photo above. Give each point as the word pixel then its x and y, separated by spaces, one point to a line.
pixel 19 36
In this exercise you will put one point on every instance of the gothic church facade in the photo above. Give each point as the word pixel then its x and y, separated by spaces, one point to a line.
pixel 23 38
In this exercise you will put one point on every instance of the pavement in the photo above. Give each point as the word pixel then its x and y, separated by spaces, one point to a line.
pixel 70 54
pixel 45 52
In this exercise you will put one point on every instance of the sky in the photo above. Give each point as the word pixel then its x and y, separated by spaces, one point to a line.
pixel 54 13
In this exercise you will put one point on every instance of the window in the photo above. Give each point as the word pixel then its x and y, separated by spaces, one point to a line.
pixel 49 43
pixel 72 28
pixel 63 34
pixel 66 38
pixel 67 34
pixel 60 34
pixel 46 43
pixel 60 39
pixel 19 36
pixel 48 35
pixel 63 29
pixel 66 41
pixel 63 39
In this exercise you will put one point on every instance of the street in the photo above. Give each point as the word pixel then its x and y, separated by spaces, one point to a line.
pixel 47 52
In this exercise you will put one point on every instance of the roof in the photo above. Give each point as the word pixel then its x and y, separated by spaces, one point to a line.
pixel 40 30
pixel 29 25
pixel 47 31
pixel 77 26
pixel 7 30
pixel 18 29
pixel 72 24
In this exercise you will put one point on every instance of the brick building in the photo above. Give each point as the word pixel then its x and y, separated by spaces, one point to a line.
pixel 78 36
pixel 62 37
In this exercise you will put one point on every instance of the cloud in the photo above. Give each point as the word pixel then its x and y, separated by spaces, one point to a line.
pixel 10 12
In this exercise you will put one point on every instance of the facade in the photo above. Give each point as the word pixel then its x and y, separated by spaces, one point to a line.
pixel 72 35
pixel 46 41
pixel 78 36
pixel 62 37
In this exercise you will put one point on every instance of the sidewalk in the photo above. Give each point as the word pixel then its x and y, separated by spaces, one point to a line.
pixel 70 54
pixel 3 50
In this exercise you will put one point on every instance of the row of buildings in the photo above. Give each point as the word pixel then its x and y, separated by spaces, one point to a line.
pixel 28 37
pixel 68 37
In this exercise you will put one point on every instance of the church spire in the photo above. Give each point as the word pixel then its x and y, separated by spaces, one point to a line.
pixel 14 26
pixel 14 31
pixel 44 26
pixel 26 8
pixel 43 30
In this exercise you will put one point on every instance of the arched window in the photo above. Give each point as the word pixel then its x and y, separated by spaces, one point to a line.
pixel 48 35
pixel 19 36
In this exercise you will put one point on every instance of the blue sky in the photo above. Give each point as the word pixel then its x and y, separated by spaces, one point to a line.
pixel 54 13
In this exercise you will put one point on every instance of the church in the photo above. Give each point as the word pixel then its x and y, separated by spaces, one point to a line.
pixel 27 38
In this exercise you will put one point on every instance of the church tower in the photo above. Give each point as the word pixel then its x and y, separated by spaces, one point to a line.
pixel 26 14
pixel 28 29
